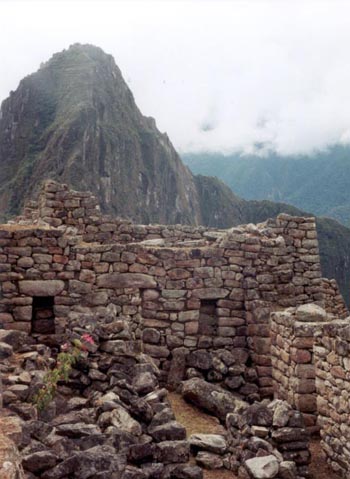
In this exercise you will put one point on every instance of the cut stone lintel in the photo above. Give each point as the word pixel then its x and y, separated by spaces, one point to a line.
pixel 126 280
pixel 41 287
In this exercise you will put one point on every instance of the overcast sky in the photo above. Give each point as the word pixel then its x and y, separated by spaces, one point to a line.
pixel 216 75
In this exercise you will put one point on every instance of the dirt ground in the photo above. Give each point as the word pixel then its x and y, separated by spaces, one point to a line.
pixel 197 421
pixel 318 467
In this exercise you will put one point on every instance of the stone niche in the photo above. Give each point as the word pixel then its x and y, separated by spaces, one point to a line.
pixel 43 293
pixel 43 318
pixel 208 321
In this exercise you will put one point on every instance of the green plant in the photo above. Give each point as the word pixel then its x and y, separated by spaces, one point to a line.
pixel 66 359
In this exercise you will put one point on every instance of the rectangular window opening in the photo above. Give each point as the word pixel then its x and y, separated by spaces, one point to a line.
pixel 43 318
pixel 208 321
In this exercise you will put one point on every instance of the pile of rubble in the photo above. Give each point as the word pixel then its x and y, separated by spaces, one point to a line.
pixel 263 440
pixel 220 366
pixel 110 420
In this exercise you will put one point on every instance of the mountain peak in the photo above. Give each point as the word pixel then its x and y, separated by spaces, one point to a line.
pixel 80 68
pixel 80 53
pixel 75 120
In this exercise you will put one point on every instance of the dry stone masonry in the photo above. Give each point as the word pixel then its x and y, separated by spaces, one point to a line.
pixel 203 305
pixel 332 361
pixel 334 302
pixel 311 371
pixel 293 334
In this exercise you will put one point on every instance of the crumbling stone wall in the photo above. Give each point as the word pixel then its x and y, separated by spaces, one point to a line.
pixel 198 301
pixel 332 363
pixel 334 301
pixel 79 211
pixel 187 293
pixel 264 439
pixel 275 428
pixel 110 419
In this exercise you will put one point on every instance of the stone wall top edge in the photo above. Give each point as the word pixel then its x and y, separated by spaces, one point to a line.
pixel 269 228
pixel 8 229
pixel 297 219
pixel 47 183
pixel 137 247
pixel 338 328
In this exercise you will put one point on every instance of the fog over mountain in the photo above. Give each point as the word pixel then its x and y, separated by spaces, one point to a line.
pixel 217 76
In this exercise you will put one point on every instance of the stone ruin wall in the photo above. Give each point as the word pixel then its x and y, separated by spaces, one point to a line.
pixel 334 302
pixel 293 335
pixel 69 210
pixel 192 293
pixel 311 371
pixel 332 361
pixel 169 287
pixel 78 213
pixel 97 423
pixel 163 279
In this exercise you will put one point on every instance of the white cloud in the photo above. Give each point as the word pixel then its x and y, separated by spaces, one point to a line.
pixel 218 75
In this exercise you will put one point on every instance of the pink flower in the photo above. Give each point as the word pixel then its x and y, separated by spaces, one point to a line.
pixel 65 347
pixel 88 338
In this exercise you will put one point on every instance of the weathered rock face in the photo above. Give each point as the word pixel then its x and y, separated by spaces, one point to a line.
pixel 210 442
pixel 310 313
pixel 265 467
pixel 126 280
pixel 210 397
pixel 41 288
pixel 80 98
pixel 10 459
pixel 89 133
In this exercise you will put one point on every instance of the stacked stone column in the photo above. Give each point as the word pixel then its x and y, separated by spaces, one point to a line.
pixel 293 333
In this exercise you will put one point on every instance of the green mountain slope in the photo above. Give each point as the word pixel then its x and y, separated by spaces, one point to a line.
pixel 319 183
